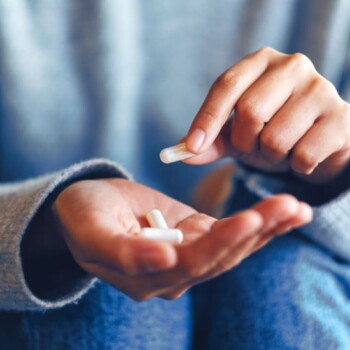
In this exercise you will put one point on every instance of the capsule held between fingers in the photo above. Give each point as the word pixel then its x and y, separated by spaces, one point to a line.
pixel 175 153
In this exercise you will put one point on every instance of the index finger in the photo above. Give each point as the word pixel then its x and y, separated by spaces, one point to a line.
pixel 222 97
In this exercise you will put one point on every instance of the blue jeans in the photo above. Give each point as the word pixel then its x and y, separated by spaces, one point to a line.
pixel 103 319
pixel 289 295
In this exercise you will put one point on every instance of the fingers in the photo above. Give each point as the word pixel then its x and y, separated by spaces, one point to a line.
pixel 222 97
pixel 326 137
pixel 259 104
pixel 214 152
pixel 228 238
pixel 196 226
pixel 279 213
pixel 289 124
pixel 226 243
pixel 303 217
pixel 192 260
pixel 273 102
pixel 225 234
pixel 275 214
pixel 196 259
pixel 282 107
pixel 257 86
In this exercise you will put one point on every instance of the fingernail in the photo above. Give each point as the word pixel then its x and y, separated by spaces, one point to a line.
pixel 195 141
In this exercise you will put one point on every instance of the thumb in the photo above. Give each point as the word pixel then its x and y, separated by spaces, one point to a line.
pixel 126 253
pixel 133 255
pixel 219 148
pixel 215 151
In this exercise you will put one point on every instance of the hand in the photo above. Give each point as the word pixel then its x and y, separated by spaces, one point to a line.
pixel 286 116
pixel 99 220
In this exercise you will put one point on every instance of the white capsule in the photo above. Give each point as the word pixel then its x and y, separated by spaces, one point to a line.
pixel 170 235
pixel 156 219
pixel 175 153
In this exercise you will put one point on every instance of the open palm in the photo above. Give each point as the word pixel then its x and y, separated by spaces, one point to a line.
pixel 100 220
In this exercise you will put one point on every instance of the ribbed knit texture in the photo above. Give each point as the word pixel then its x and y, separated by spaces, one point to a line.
pixel 19 203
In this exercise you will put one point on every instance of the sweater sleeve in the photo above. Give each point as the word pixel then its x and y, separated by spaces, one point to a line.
pixel 331 226
pixel 53 281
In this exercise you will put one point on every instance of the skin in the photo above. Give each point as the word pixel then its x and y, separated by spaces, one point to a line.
pixel 99 221
pixel 282 108
pixel 287 117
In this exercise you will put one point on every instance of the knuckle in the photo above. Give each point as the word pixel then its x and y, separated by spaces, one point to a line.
pixel 325 87
pixel 273 142
pixel 200 222
pixel 208 118
pixel 300 62
pixel 266 51
pixel 250 112
pixel 305 158
pixel 229 79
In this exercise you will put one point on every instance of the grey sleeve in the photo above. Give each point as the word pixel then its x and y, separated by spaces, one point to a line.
pixel 331 225
pixel 26 284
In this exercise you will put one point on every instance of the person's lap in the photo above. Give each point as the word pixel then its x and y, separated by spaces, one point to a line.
pixel 289 295
pixel 103 319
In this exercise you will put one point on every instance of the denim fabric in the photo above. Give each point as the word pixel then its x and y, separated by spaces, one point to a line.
pixel 103 319
pixel 292 294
